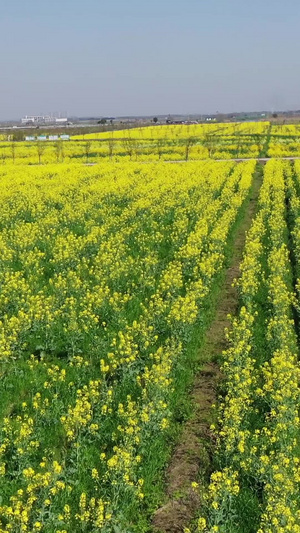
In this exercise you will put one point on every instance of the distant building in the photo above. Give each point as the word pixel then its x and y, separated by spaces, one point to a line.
pixel 36 119
pixel 43 119
pixel 49 138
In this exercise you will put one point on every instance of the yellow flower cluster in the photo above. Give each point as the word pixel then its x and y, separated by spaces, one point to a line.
pixel 168 142
pixel 262 387
pixel 173 142
pixel 177 142
pixel 103 272
pixel 285 141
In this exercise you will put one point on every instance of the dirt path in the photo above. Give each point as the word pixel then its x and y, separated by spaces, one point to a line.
pixel 191 459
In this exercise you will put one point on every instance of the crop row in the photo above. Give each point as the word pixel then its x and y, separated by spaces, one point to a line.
pixel 256 487
pixel 104 272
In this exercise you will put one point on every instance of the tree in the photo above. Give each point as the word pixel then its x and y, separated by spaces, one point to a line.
pixel 111 145
pixel 13 151
pixel 129 146
pixel 102 121
pixel 159 147
pixel 155 120
pixel 62 151
pixel 239 143
pixel 208 142
pixel 58 147
pixel 87 149
pixel 18 135
pixel 188 144
pixel 40 150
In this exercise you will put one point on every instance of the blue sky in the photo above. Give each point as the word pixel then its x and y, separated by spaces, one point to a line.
pixel 113 57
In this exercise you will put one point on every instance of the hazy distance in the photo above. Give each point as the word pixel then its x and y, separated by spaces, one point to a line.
pixel 137 57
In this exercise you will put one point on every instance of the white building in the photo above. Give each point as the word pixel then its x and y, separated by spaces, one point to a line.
pixel 43 119
pixel 36 119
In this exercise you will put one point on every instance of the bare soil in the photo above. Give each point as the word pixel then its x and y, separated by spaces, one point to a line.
pixel 192 457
